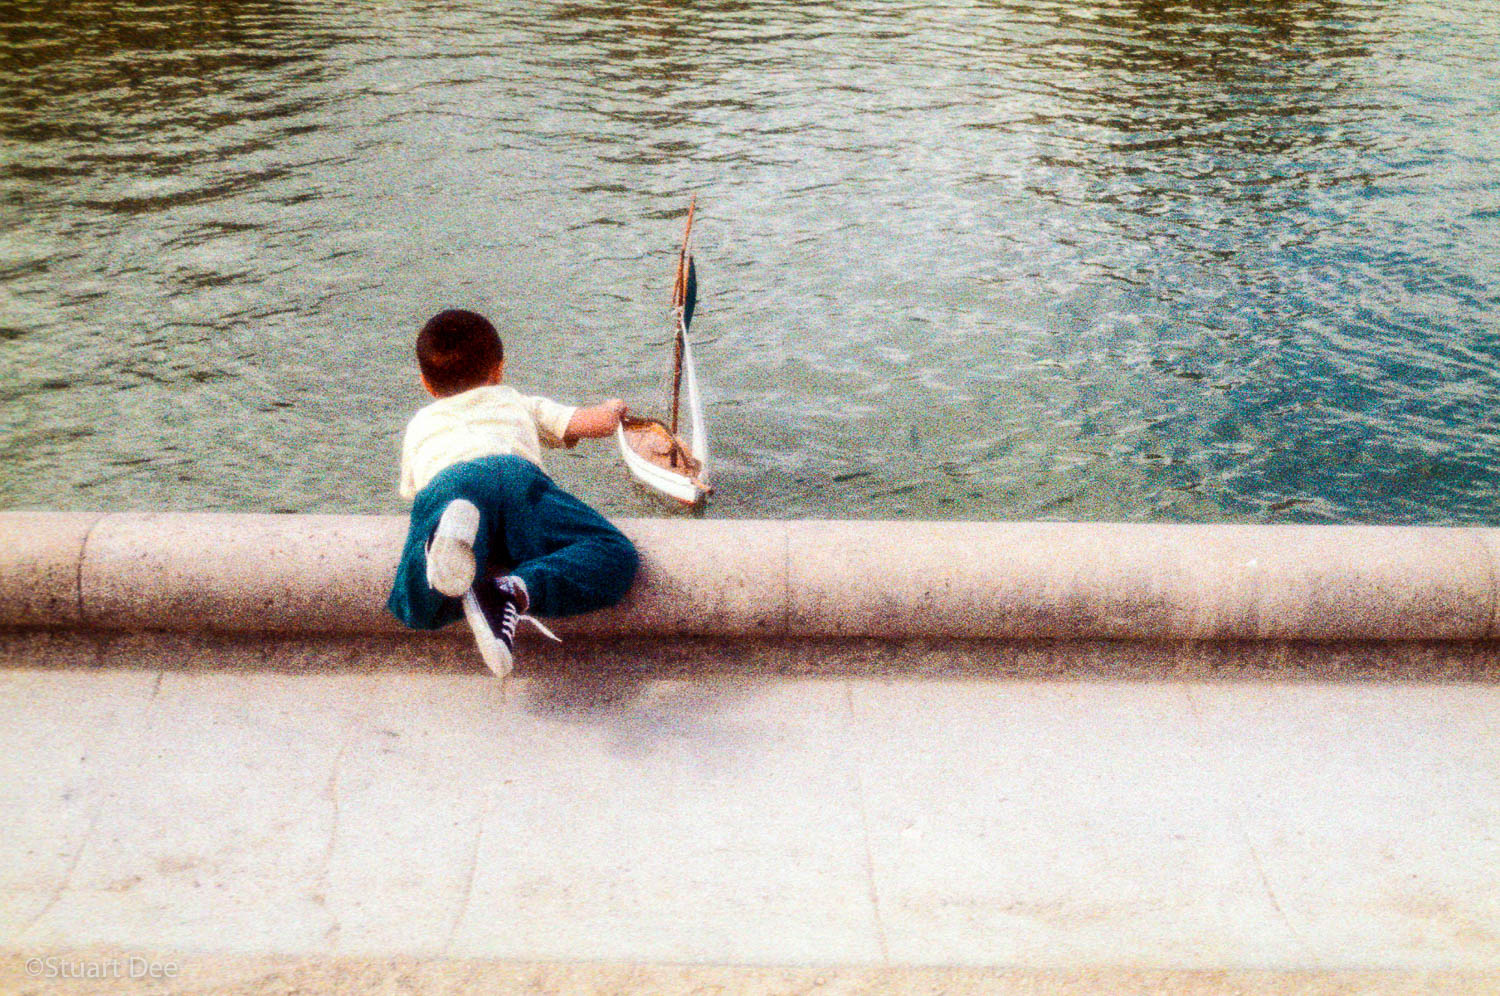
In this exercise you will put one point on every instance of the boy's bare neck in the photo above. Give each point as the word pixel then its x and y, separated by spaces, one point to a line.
pixel 495 379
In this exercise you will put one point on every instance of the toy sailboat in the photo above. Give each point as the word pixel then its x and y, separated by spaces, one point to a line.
pixel 654 452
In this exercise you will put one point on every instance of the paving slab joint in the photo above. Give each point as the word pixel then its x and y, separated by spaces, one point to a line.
pixel 83 553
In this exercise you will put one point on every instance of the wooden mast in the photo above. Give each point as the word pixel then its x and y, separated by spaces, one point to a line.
pixel 679 299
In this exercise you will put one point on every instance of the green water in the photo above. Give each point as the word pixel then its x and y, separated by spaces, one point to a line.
pixel 1200 261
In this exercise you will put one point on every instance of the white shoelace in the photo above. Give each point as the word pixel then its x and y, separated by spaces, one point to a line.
pixel 520 618
pixel 513 616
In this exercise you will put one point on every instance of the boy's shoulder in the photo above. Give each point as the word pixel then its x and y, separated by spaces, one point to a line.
pixel 475 397
pixel 491 397
pixel 490 394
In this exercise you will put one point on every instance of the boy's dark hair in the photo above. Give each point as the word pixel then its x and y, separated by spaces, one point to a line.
pixel 457 351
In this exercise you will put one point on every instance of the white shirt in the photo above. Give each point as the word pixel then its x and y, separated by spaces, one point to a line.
pixel 487 421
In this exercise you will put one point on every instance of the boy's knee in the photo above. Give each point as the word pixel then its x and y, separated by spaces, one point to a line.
pixel 631 557
pixel 625 561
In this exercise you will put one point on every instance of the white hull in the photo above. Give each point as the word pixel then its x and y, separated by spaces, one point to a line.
pixel 669 483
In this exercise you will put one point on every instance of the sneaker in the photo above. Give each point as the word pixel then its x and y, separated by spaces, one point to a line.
pixel 493 610
pixel 450 554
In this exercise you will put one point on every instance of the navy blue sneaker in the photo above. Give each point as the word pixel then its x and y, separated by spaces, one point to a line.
pixel 493 608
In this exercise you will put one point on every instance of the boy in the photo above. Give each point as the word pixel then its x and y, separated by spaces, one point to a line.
pixel 471 461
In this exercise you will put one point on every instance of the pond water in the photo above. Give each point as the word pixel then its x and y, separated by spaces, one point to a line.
pixel 1209 260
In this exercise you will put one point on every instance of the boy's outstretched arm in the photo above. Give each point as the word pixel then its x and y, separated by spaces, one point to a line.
pixel 595 422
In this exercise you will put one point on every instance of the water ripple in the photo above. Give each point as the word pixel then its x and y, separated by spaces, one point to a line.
pixel 1201 260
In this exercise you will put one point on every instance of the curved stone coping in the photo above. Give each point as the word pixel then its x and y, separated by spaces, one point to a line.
pixel 901 580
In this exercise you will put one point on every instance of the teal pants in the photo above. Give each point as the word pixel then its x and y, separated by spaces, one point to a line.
pixel 571 558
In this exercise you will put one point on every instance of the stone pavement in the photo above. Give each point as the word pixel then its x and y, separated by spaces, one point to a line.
pixel 1308 830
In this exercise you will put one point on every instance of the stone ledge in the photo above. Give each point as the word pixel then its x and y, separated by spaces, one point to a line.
pixel 304 574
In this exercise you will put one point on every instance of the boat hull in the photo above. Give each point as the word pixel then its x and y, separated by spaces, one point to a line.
pixel 648 449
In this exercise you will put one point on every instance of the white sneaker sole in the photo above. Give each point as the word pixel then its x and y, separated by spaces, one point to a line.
pixel 496 656
pixel 450 556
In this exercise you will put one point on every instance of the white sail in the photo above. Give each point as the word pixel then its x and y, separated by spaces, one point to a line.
pixel 699 444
